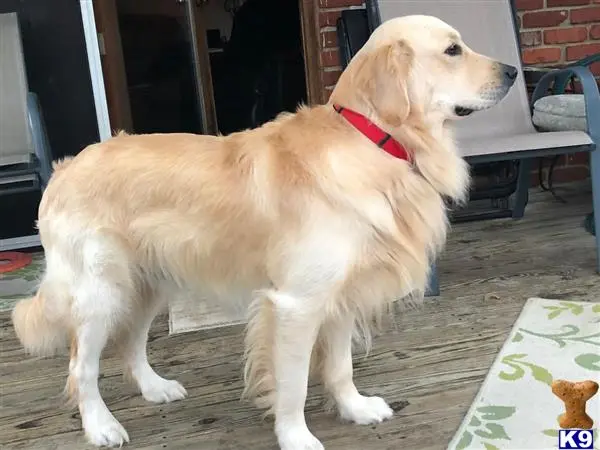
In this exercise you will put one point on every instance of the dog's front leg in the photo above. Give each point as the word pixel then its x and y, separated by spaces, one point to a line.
pixel 336 338
pixel 296 326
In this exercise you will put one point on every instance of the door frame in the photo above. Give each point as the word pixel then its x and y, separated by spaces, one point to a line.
pixel 309 21
pixel 95 65
pixel 311 43
pixel 113 66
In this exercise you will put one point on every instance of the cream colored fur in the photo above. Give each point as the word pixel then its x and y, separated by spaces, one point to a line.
pixel 303 220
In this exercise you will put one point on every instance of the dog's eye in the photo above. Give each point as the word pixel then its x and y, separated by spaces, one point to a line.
pixel 453 50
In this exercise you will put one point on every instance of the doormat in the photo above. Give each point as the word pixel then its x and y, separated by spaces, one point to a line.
pixel 21 283
pixel 11 261
pixel 190 312
pixel 515 408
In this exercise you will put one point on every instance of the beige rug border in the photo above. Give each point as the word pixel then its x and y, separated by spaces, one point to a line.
pixel 206 315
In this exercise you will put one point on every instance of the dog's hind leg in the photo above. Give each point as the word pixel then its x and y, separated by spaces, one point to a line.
pixel 335 341
pixel 93 330
pixel 153 387
pixel 102 290
pixel 100 426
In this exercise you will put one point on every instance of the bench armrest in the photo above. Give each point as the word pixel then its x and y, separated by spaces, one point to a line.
pixel 561 82
pixel 590 92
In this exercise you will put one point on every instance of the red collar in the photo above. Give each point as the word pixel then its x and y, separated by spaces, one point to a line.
pixel 375 134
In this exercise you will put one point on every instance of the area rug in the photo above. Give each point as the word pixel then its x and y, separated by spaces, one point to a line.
pixel 188 312
pixel 515 408
pixel 20 283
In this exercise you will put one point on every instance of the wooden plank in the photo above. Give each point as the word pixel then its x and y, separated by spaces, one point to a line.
pixel 113 65
pixel 311 47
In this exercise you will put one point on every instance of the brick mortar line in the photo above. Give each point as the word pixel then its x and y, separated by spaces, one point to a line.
pixel 570 44
pixel 559 8
pixel 560 27
pixel 562 44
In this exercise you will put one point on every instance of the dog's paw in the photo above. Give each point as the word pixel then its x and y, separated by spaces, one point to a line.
pixel 365 410
pixel 297 438
pixel 161 390
pixel 103 430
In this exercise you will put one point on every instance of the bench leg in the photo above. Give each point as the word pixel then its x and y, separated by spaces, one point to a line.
pixel 433 286
pixel 522 192
pixel 595 174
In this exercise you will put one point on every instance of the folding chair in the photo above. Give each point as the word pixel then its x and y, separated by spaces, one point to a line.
pixel 25 159
pixel 506 132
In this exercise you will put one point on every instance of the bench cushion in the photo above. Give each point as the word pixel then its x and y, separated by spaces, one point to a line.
pixel 560 113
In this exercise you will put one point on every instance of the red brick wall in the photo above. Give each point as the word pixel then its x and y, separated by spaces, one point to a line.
pixel 330 11
pixel 553 32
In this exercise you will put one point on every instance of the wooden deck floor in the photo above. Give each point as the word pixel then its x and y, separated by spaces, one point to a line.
pixel 429 368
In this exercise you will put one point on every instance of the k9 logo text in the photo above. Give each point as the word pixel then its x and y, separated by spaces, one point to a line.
pixel 575 439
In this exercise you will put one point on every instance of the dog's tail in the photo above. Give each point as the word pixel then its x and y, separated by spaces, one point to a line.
pixel 40 324
pixel 259 376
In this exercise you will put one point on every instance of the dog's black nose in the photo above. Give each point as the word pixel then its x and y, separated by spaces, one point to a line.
pixel 510 73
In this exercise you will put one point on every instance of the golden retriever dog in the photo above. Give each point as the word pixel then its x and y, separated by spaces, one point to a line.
pixel 307 221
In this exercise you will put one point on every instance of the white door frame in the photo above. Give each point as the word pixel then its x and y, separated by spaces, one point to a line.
pixel 95 64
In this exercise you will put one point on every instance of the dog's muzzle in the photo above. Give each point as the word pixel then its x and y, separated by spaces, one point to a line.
pixel 509 74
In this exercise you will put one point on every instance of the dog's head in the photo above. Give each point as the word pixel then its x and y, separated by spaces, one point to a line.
pixel 420 65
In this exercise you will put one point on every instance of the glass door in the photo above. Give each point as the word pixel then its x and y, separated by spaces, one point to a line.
pixel 155 64
pixel 201 64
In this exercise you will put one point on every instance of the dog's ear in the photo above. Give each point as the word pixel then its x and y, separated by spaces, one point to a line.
pixel 381 80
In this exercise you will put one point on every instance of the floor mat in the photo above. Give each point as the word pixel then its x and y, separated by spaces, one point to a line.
pixel 20 283
pixel 515 408
pixel 192 313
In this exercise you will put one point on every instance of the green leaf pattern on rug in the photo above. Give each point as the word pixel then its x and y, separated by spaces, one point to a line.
pixel 495 431
pixel 491 426
pixel 489 446
pixel 590 361
pixel 475 422
pixel 515 361
pixel 496 412
pixel 518 337
pixel 551 433
pixel 483 425
pixel 465 441
pixel 556 311
pixel 569 334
